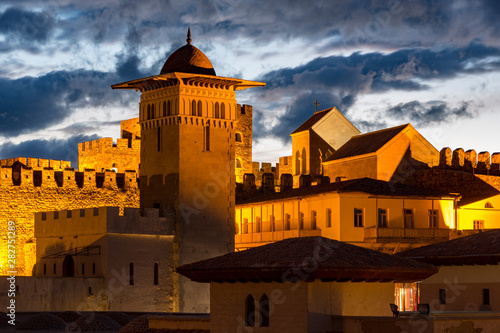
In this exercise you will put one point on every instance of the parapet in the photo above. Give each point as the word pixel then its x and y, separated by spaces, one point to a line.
pixel 24 176
pixel 470 161
pixel 37 163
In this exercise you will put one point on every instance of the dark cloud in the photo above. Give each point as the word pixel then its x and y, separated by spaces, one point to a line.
pixel 338 81
pixel 430 113
pixel 55 149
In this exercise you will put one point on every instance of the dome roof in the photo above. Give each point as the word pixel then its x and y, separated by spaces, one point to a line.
pixel 188 59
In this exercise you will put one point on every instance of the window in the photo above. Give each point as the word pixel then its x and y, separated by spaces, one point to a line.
pixel 250 311
pixel 200 109
pixel 271 223
pixel 433 218
pixel 54 268
pixel 408 216
pixel 131 273
pixel 488 205
pixel 96 211
pixel 193 108
pixel 478 224
pixel 358 217
pixel 68 214
pixel 155 274
pixel 207 138
pixel 83 269
pixel 44 216
pixel 216 113
pixel 442 296
pixel 301 221
pixel 44 269
pixel 486 297
pixel 168 108
pixel 245 226
pixel 328 217
pixel 407 296
pixel 223 111
pixel 238 163
pixel 56 215
pixel 82 212
pixel 158 139
pixel 93 268
pixel 313 219
pixel 382 218
pixel 164 109
pixel 237 137
pixel 257 224
pixel 264 311
pixel 287 221
pixel 149 112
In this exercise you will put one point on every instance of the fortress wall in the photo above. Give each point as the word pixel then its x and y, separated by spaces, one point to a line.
pixel 77 190
pixel 102 154
pixel 243 149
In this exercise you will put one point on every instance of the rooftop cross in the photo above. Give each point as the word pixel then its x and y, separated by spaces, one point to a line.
pixel 316 105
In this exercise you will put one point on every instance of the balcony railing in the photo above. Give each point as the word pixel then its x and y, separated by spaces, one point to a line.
pixel 259 238
pixel 375 234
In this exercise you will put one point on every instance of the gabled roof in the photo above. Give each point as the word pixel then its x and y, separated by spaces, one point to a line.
pixel 292 259
pixel 481 248
pixel 312 120
pixel 365 185
pixel 366 143
pixel 469 199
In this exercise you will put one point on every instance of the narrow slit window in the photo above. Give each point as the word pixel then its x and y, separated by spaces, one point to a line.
pixel 155 274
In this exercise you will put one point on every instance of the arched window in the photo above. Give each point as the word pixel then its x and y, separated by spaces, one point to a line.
pixel 216 113
pixel 250 311
pixel 131 273
pixel 264 311
pixel 193 108
pixel 238 163
pixel 200 109
pixel 149 112
pixel 237 137
pixel 164 109
pixel 155 274
pixel 153 111
pixel 223 111
pixel 488 205
pixel 168 108
pixel 68 266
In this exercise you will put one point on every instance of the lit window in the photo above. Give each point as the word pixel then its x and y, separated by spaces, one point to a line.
pixel 287 221
pixel 478 224
pixel 313 220
pixel 245 226
pixel 358 217
pixel 301 221
pixel 382 218
pixel 257 224
pixel 407 296
pixel 433 218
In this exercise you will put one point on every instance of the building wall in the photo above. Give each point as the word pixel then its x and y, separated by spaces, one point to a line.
pixel 243 149
pixel 300 155
pixel 130 129
pixel 22 201
pixel 478 211
pixel 102 154
pixel 352 168
pixel 288 306
pixel 464 288
pixel 335 129
pixel 49 294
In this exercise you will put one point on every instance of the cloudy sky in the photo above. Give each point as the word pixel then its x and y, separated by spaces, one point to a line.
pixel 435 64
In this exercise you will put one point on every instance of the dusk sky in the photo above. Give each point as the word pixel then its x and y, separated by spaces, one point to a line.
pixel 434 64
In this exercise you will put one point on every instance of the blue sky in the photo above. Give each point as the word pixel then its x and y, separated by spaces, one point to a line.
pixel 435 64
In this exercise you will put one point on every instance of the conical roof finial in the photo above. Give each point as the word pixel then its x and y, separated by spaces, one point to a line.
pixel 188 39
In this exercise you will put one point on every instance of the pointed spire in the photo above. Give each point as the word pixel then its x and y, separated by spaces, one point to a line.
pixel 188 39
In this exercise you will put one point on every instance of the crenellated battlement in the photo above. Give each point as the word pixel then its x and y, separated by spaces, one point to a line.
pixel 107 144
pixel 27 177
pixel 36 163
pixel 470 161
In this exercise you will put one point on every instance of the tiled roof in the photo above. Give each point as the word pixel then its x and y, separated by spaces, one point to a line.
pixel 366 143
pixel 292 259
pixel 480 248
pixel 312 120
pixel 366 185
pixel 469 199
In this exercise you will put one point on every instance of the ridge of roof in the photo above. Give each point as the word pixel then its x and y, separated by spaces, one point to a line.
pixel 318 115
pixel 367 143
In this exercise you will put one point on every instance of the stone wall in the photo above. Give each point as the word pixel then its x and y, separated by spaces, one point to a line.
pixel 49 190
pixel 102 155
pixel 36 163
pixel 243 138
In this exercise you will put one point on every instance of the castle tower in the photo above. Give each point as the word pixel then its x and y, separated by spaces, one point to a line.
pixel 187 116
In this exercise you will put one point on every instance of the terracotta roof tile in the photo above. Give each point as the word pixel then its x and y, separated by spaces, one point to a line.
pixel 366 185
pixel 311 121
pixel 366 143
pixel 292 259
pixel 480 248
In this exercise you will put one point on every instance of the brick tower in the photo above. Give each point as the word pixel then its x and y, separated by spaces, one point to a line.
pixel 187 117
